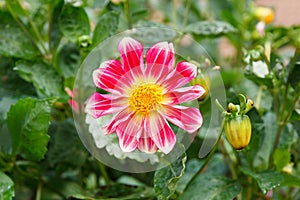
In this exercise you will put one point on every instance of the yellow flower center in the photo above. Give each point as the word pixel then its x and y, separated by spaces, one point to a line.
pixel 145 97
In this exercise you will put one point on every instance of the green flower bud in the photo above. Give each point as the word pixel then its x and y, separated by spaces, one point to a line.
pixel 204 81
pixel 238 131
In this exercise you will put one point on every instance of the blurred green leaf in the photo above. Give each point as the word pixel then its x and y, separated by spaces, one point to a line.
pixel 13 41
pixel 290 180
pixel 74 22
pixel 261 159
pixel 107 26
pixel 266 180
pixel 6 187
pixel 165 179
pixel 294 76
pixel 281 158
pixel 209 28
pixel 68 60
pixel 28 122
pixel 211 187
pixel 64 136
pixel 54 31
pixel 43 76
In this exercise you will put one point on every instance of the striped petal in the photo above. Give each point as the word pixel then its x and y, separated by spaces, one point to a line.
pixel 129 132
pixel 104 104
pixel 108 75
pixel 183 74
pixel 160 61
pixel 189 119
pixel 146 144
pixel 161 132
pixel 131 52
pixel 185 94
pixel 118 118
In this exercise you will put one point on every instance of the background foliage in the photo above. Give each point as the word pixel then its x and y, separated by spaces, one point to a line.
pixel 42 44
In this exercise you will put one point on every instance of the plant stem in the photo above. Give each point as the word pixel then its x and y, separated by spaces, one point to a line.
pixel 258 98
pixel 23 28
pixel 174 12
pixel 39 191
pixel 104 173
pixel 127 13
pixel 210 155
pixel 186 16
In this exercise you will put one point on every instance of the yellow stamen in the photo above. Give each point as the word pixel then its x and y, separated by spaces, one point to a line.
pixel 145 97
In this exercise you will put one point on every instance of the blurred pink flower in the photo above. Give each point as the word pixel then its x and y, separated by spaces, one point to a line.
pixel 142 98
pixel 72 102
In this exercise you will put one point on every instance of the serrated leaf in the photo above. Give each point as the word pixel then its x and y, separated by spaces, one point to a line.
pixel 107 26
pixel 13 41
pixel 74 22
pixel 266 180
pixel 211 187
pixel 43 76
pixel 209 28
pixel 281 157
pixel 28 122
pixel 68 60
pixel 6 187
pixel 165 179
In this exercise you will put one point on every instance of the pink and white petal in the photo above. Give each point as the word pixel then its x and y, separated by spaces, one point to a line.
pixel 159 61
pixel 129 132
pixel 184 73
pixel 161 132
pixel 131 52
pixel 118 118
pixel 108 75
pixel 181 95
pixel 99 105
pixel 146 144
pixel 127 142
pixel 189 119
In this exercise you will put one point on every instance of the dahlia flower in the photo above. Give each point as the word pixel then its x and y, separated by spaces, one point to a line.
pixel 143 97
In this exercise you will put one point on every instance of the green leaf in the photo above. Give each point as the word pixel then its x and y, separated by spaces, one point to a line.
pixel 165 179
pixel 43 76
pixel 6 187
pixel 74 22
pixel 266 180
pixel 13 41
pixel 290 180
pixel 65 137
pixel 261 159
pixel 211 187
pixel 294 76
pixel 68 60
pixel 28 122
pixel 54 31
pixel 107 26
pixel 281 157
pixel 209 28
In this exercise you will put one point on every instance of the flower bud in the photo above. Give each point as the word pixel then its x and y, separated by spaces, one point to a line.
pixel 238 131
pixel 264 14
pixel 203 81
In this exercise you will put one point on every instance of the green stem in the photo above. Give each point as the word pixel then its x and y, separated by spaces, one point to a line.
pixel 210 155
pixel 127 14
pixel 258 98
pixel 23 28
pixel 39 191
pixel 174 12
pixel 186 16
pixel 104 173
